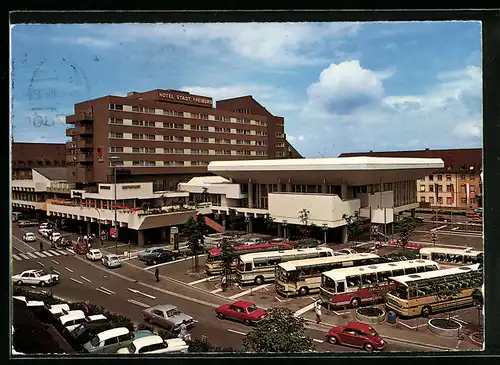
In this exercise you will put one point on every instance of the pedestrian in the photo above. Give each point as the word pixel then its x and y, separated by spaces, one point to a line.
pixel 223 282
pixel 41 245
pixel 318 312
pixel 157 274
pixel 86 308
pixel 183 333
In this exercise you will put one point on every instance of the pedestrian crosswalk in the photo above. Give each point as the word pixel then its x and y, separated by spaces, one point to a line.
pixel 43 254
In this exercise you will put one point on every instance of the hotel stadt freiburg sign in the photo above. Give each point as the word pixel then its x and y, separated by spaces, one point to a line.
pixel 185 99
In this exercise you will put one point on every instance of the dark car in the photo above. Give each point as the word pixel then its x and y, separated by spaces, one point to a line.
pixel 159 257
pixel 28 223
pixel 88 330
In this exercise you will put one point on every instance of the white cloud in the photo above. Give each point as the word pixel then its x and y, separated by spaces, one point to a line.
pixel 468 129
pixel 92 42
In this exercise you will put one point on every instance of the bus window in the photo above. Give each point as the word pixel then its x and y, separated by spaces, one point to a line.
pixel 421 269
pixel 328 283
pixel 274 260
pixel 368 279
pixel 383 276
pixel 348 263
pixel 260 262
pixel 467 259
pixel 401 291
pixel 323 254
pixel 430 268
pixel 248 266
pixel 398 272
pixel 410 270
pixel 352 281
pixel 340 287
pixel 310 255
pixel 412 292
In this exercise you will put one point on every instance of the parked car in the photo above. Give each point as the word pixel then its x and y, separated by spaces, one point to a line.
pixel 356 334
pixel 440 218
pixel 347 251
pixel 94 254
pixel 58 310
pixel 254 241
pixel 35 277
pixel 158 257
pixel 63 242
pixel 81 248
pixel 108 342
pixel 30 303
pixel 148 251
pixel 29 237
pixel 242 311
pixel 55 236
pixel 155 345
pixel 71 319
pixel 45 225
pixel 45 232
pixel 111 261
pixel 97 318
pixel 167 316
pixel 28 223
pixel 86 331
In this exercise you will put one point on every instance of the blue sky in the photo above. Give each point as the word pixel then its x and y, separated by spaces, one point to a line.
pixel 341 87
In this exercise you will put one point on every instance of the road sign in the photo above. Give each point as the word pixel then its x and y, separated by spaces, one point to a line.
pixel 174 230
pixel 112 232
pixel 174 241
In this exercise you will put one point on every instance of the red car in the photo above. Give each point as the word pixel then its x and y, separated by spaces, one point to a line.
pixel 246 312
pixel 356 334
pixel 81 248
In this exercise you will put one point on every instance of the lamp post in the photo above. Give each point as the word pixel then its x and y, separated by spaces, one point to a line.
pixel 284 228
pixel 325 230
pixel 99 227
pixel 115 158
pixel 247 222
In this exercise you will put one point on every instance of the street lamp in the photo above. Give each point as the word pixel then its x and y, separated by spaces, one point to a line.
pixel 325 229
pixel 115 158
pixel 284 228
pixel 247 221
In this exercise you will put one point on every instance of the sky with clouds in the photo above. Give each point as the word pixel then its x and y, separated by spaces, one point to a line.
pixel 341 87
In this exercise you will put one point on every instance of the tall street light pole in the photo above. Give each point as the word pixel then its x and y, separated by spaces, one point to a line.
pixel 115 158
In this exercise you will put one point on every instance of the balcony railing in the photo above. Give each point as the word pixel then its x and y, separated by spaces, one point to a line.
pixel 85 157
pixel 70 132
pixel 70 145
pixel 79 116
pixel 84 129
pixel 84 143
pixel 70 157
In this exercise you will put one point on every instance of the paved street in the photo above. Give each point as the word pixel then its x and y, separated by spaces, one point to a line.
pixel 129 289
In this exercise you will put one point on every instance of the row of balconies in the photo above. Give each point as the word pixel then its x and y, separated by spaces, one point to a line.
pixel 80 143
pixel 81 115
pixel 79 130
pixel 80 157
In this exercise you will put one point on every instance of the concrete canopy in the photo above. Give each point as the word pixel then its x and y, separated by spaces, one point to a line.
pixel 355 171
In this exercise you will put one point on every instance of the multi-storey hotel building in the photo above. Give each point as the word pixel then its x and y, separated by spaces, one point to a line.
pixel 457 185
pixel 166 137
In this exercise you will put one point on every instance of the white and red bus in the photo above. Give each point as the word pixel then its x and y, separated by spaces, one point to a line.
pixel 213 265
pixel 354 286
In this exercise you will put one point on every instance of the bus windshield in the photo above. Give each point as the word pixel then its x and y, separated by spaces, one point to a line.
pixel 212 258
pixel 283 275
pixel 328 283
pixel 400 291
pixel 241 266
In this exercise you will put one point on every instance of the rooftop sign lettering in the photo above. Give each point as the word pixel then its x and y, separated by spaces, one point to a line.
pixel 187 99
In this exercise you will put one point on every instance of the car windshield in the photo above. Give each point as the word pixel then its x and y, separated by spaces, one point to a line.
pixel 40 273
pixel 131 348
pixel 251 308
pixel 112 258
pixel 173 312
pixel 79 329
pixel 372 331
pixel 95 341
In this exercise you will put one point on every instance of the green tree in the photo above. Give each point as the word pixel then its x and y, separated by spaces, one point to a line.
pixel 269 223
pixel 354 225
pixel 306 228
pixel 280 331
pixel 478 301
pixel 228 255
pixel 446 292
pixel 195 239
pixel 404 229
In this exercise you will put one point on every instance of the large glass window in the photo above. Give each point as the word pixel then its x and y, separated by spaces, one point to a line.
pixel 353 281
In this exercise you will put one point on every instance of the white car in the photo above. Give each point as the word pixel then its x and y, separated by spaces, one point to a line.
pixel 45 232
pixel 29 237
pixel 94 254
pixel 44 226
pixel 35 277
pixel 348 251
pixel 58 310
pixel 72 319
pixel 155 345
pixel 98 318
pixel 55 236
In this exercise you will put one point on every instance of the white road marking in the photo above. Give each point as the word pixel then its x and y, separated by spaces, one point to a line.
pixel 216 291
pixel 54 253
pixel 64 253
pixel 137 303
pixel 48 253
pixel 454 229
pixel 248 291
pixel 84 278
pixel 39 254
pixel 278 299
pixel 139 292
pixel 195 321
pixel 112 292
pixel 316 340
pixel 307 308
pixel 57 272
pixel 55 262
pixel 407 326
pixel 238 332
pixel 67 268
pixel 103 291
pixel 459 320
pixel 76 281
pixel 16 257
pixel 24 243
pixel 70 250
pixel 202 280
pixel 340 313
pixel 24 256
pixel 171 262
pixel 437 228
pixel 31 255
pixel 40 263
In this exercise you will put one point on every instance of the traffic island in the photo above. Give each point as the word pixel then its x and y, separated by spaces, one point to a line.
pixel 444 327
pixel 370 315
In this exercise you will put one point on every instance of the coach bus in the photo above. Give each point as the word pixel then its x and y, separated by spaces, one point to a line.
pixel 259 267
pixel 213 265
pixel 418 294
pixel 359 285
pixel 302 277
pixel 451 257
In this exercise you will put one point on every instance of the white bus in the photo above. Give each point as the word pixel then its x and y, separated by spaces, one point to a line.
pixel 304 276
pixel 418 294
pixel 452 257
pixel 258 267
pixel 354 286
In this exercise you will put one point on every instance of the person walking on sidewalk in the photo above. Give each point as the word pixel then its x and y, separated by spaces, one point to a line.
pixel 223 283
pixel 41 245
pixel 157 274
pixel 318 312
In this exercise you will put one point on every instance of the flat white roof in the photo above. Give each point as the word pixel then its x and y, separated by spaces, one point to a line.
pixel 328 164
pixel 201 180
pixel 435 274
pixel 292 265
pixel 450 251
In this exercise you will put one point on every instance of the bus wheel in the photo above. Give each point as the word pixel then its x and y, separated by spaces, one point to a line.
pixel 303 291
pixel 426 311
pixel 259 280
pixel 355 302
